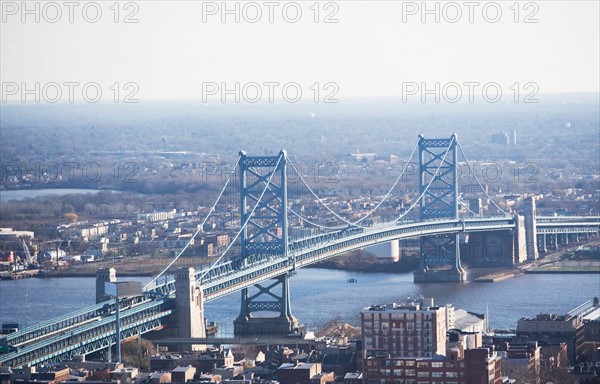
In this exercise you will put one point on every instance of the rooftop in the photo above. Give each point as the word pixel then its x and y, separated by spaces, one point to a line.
pixel 294 366
pixel 418 304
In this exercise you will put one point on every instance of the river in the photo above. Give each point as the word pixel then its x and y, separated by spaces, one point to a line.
pixel 318 295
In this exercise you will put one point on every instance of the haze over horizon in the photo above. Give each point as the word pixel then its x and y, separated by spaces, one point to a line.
pixel 372 50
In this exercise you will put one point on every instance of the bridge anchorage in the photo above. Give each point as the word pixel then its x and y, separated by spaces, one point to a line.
pixel 265 234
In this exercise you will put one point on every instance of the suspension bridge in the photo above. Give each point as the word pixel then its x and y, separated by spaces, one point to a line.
pixel 279 234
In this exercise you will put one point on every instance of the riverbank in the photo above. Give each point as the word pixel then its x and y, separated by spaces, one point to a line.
pixel 128 266
pixel 358 261
pixel 549 266
pixel 497 277
pixel 19 274
pixel 362 261
pixel 568 266
pixel 151 266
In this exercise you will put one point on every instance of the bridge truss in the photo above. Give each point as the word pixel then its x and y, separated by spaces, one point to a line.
pixel 267 257
pixel 439 200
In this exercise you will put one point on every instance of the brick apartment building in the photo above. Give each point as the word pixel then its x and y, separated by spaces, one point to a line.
pixel 405 330
pixel 407 343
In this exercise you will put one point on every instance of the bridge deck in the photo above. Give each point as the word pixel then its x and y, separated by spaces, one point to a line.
pixel 92 328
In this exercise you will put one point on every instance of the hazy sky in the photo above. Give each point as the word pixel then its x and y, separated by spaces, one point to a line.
pixel 371 51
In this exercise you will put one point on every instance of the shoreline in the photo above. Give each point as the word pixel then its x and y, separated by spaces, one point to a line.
pixel 497 278
pixel 381 268
pixel 370 268
pixel 87 274
pixel 563 271
pixel 346 263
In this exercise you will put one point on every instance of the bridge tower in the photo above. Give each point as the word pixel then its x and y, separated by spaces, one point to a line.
pixel 265 234
pixel 439 187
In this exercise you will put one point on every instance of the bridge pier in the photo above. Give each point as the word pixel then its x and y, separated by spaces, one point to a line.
pixel 282 324
pixel 430 275
pixel 519 240
pixel 104 275
pixel 437 252
pixel 189 305
pixel 530 229
pixel 498 248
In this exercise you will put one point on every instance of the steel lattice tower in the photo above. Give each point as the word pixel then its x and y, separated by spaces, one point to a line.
pixel 265 234
pixel 438 186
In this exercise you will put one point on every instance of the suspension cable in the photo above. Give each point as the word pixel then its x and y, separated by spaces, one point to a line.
pixel 313 223
pixel 393 186
pixel 245 222
pixel 356 223
pixel 321 201
pixel 430 181
pixel 200 228
pixel 476 179
pixel 306 219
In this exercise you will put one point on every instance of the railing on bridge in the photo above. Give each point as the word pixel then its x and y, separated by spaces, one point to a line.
pixel 91 335
pixel 92 328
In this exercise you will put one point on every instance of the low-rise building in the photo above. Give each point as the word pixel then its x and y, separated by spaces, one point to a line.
pixel 520 360
pixel 205 362
pixel 303 373
pixel 160 377
pixel 553 330
pixel 479 365
pixel 353 378
pixel 183 374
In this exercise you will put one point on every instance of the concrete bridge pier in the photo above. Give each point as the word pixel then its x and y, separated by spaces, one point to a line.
pixel 104 275
pixel 530 229
pixel 189 305
pixel 432 275
pixel 278 303
pixel 498 248
pixel 437 252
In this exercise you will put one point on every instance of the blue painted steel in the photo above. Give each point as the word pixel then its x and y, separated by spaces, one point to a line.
pixel 266 255
pixel 231 277
pixel 266 231
pixel 438 186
